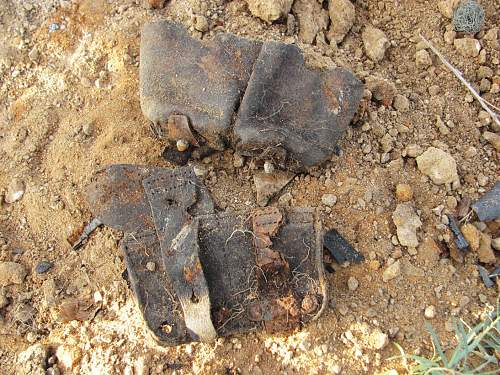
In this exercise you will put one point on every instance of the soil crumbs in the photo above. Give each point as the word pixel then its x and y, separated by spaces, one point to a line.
pixel 69 105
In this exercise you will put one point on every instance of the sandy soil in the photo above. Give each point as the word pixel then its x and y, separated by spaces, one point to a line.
pixel 69 105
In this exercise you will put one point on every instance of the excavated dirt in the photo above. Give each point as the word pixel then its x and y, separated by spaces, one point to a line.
pixel 69 105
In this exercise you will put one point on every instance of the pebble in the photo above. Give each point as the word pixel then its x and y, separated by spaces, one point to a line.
pixel 87 129
pixel 404 192
pixel 382 91
pixel 182 145
pixel 446 7
pixel 352 283
pixel 423 59
pixel 485 253
pixel 342 15
pixel 401 103
pixel 375 43
pixel 151 266
pixel 438 165
pixel 493 138
pixel 43 266
pixel 449 36
pixel 430 312
pixel 413 150
pixel 15 191
pixel 268 167
pixel 3 299
pixel 329 199
pixel 12 273
pixel 467 47
pixel 156 4
pixel 378 339
pixel 269 10
pixel 484 72
pixel 407 222
pixel 392 271
pixel 200 23
pixel 451 202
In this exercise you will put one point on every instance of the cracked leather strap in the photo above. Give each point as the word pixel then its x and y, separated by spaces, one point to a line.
pixel 170 195
pixel 189 282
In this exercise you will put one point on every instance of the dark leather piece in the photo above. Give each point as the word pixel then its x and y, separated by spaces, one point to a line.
pixel 211 276
pixel 303 111
pixel 202 80
pixel 289 113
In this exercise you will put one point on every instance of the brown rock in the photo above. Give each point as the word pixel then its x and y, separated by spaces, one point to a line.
pixel 446 7
pixel 267 185
pixel 493 138
pixel 429 252
pixel 404 192
pixel 312 19
pixel 382 90
pixel 472 235
pixel 485 252
pixel 342 14
pixel 468 47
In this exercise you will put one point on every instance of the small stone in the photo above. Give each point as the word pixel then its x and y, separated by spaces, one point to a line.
pixel 151 266
pixel 404 192
pixel 268 167
pixel 12 273
pixel 15 191
pixel 472 235
pixel 182 145
pixel 401 103
pixel 375 43
pixel 312 19
pixel 43 266
pixel 342 15
pixel 493 138
pixel 269 10
pixel 430 312
pixel 352 283
pixel 391 272
pixel 438 165
pixel 68 356
pixel 87 129
pixel 413 150
pixel 407 222
pixel 309 304
pixel 485 253
pixel 467 47
pixel 200 23
pixel 329 200
pixel 382 90
pixel 378 340
pixel 484 85
pixel 484 72
pixel 423 59
pixel 451 202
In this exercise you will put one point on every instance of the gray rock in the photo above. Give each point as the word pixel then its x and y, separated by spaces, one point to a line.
pixel 352 283
pixel 12 273
pixel 401 103
pixel 43 266
pixel 375 43
pixel 407 222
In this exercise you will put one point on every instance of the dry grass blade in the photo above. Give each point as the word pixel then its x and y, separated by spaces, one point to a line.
pixel 488 107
